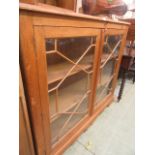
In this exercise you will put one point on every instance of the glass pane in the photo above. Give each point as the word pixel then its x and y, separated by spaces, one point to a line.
pixel 110 52
pixel 49 44
pixel 69 72
pixel 112 44
pixel 73 48
pixel 66 53
pixel 105 80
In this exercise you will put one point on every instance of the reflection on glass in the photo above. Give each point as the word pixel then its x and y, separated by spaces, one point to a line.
pixel 112 44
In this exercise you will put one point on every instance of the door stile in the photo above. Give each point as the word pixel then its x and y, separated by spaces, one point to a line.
pixel 43 89
pixel 96 71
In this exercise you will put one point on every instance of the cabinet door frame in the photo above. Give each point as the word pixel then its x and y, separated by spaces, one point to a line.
pixel 40 33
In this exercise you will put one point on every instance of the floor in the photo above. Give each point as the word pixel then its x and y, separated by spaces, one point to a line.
pixel 112 133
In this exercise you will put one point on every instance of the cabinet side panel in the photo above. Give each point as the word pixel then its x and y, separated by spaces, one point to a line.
pixel 29 72
pixel 26 146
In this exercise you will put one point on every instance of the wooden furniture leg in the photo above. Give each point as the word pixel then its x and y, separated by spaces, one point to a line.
pixel 122 84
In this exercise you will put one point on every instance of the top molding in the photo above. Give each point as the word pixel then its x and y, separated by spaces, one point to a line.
pixel 42 8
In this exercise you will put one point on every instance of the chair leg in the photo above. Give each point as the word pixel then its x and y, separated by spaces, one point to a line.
pixel 133 78
pixel 122 85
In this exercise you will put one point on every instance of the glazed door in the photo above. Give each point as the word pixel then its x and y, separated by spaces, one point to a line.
pixel 66 59
pixel 110 54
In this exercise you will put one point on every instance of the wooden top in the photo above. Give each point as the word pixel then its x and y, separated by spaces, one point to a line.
pixel 43 8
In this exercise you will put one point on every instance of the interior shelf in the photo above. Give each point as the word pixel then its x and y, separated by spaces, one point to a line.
pixel 69 95
pixel 58 123
pixel 57 71
pixel 73 98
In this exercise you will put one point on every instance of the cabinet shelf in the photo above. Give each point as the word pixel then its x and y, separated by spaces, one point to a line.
pixel 69 96
pixel 57 71
pixel 73 105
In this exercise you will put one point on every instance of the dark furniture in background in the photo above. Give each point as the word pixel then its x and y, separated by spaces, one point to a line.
pixel 127 68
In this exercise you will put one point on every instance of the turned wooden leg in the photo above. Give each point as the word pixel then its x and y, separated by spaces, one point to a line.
pixel 122 84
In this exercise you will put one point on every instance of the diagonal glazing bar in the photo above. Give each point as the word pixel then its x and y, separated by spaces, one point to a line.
pixel 56 100
pixel 51 52
pixel 68 113
pixel 77 106
pixel 107 84
pixel 110 55
pixel 106 43
pixel 66 58
pixel 93 45
pixel 75 65
pixel 53 117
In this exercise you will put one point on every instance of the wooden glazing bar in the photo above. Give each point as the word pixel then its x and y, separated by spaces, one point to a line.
pixel 91 41
pixel 74 72
pixel 55 44
pixel 107 84
pixel 51 52
pixel 106 43
pixel 56 100
pixel 88 82
pixel 53 117
pixel 56 115
pixel 49 91
pixel 66 58
pixel 107 81
pixel 75 113
pixel 106 40
pixel 110 55
pixel 74 65
pixel 77 106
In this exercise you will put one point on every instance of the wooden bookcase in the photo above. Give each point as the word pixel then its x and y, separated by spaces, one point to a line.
pixel 70 65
